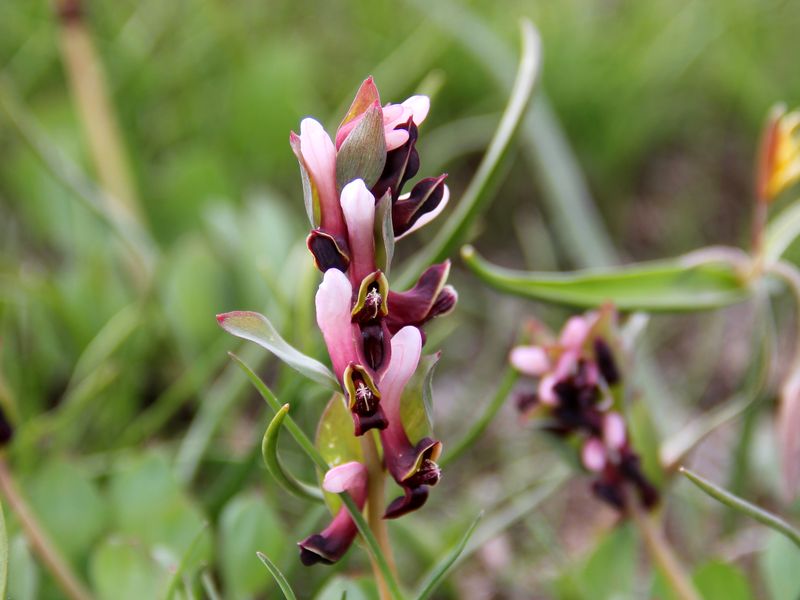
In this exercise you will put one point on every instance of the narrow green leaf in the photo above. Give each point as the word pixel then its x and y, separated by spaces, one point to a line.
pixel 670 285
pixel 184 562
pixel 781 232
pixel 436 575
pixel 479 426
pixel 301 438
pixel 3 554
pixel 480 190
pixel 276 573
pixel 209 586
pixel 363 153
pixel 269 450
pixel 257 328
pixel 737 503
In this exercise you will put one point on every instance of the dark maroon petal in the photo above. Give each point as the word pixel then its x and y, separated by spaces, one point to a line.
pixel 410 465
pixel 609 492
pixel 401 165
pixel 411 500
pixel 630 468
pixel 363 400
pixel 331 544
pixel 605 361
pixel 424 198
pixel 428 298
pixel 6 429
pixel 328 253
pixel 374 345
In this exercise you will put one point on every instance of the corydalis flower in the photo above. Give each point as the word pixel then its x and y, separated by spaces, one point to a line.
pixel 576 375
pixel 331 543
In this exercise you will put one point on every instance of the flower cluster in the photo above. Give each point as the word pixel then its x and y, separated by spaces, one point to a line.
pixel 353 188
pixel 578 378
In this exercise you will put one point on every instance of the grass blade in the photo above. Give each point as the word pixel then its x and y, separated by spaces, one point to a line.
pixel 438 572
pixel 279 578
pixel 269 450
pixel 184 562
pixel 735 502
pixel 457 227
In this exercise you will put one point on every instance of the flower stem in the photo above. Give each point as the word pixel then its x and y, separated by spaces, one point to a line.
pixel 375 500
pixel 40 541
pixel 661 552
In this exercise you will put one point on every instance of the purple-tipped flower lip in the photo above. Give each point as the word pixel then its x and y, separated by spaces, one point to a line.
pixel 429 298
pixel 328 252
pixel 411 500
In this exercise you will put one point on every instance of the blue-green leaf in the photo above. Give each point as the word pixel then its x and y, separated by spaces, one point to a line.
pixel 257 328
pixel 669 285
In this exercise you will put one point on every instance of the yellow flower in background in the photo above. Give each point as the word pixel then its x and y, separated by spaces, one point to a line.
pixel 779 164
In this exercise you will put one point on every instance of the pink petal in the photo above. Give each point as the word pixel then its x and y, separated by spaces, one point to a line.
pixel 574 333
pixel 319 157
pixel 418 107
pixel 788 427
pixel 429 216
pixel 334 303
pixel 395 138
pixel 406 350
pixel 348 477
pixel 614 430
pixel 547 394
pixel 530 360
pixel 393 115
pixel 358 206
pixel 593 455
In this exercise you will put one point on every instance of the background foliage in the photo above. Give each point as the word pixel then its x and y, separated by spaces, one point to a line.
pixel 133 430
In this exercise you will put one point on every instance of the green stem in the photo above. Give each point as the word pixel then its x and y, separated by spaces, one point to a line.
pixel 375 500
pixel 457 227
pixel 41 543
pixel 661 552
pixel 308 447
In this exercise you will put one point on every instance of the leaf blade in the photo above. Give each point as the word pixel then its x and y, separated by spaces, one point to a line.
pixel 759 514
pixel 269 451
pixel 279 577
pixel 255 327
pixel 670 285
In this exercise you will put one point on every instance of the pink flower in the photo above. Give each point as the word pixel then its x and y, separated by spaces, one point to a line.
pixel 331 543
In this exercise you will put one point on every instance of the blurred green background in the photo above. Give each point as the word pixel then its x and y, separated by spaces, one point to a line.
pixel 131 428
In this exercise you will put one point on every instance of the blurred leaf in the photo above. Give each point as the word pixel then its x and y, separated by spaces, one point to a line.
pixel 363 152
pixel 779 565
pixel 416 404
pixel 340 587
pixel 3 554
pixel 670 285
pixel 248 524
pixel 257 328
pixel 68 505
pixel 122 570
pixel 438 572
pixel 610 571
pixel 288 593
pixel 751 510
pixel 150 507
pixel 269 451
pixel 646 440
pixel 717 579
pixel 23 580
pixel 179 573
pixel 781 232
